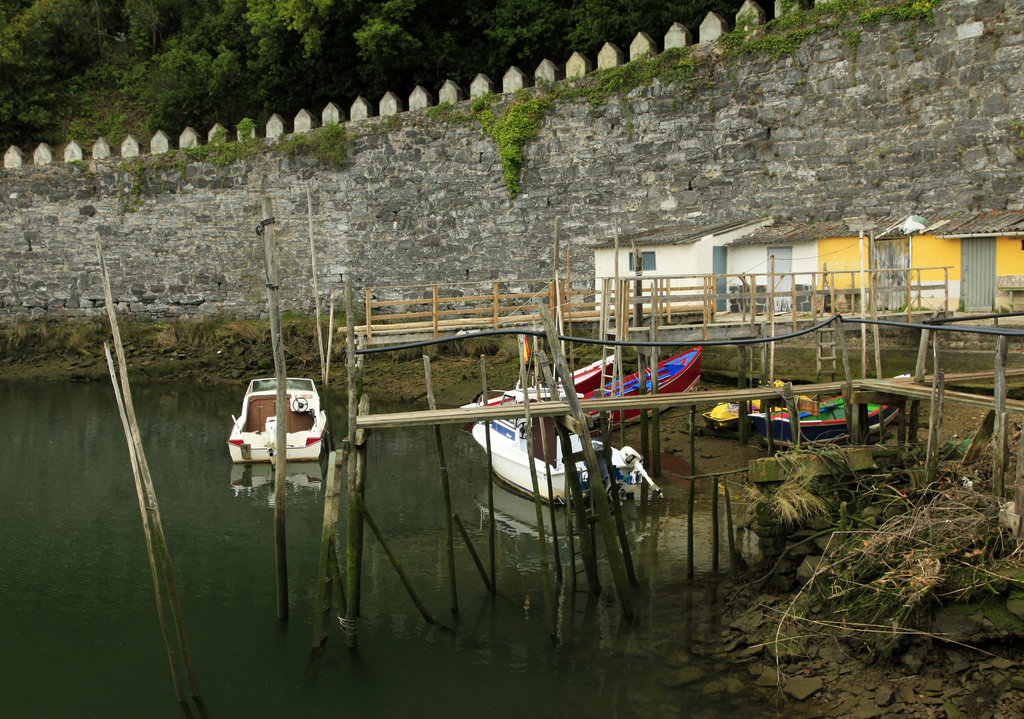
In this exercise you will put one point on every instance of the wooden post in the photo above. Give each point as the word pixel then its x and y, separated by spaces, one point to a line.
pixel 733 558
pixel 545 571
pixel 473 553
pixel 148 505
pixel 365 514
pixel 743 427
pixel 620 524
pixel 161 611
pixel 935 427
pixel 655 412
pixel 690 499
pixel 641 387
pixel 446 493
pixel 714 525
pixel 1000 452
pixel 919 370
pixel 316 292
pixel 794 413
pixel 490 479
pixel 1018 497
pixel 863 311
pixel 280 454
pixel 771 317
pixel 328 536
pixel 356 467
pixel 597 491
pixel 538 357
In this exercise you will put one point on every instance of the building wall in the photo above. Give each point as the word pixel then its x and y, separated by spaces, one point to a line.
pixel 916 119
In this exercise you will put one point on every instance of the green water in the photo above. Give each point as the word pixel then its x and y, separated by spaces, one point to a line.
pixel 79 635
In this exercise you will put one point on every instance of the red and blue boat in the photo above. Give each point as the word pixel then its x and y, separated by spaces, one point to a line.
pixel 675 374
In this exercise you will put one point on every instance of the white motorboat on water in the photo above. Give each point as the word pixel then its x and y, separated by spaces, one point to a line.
pixel 511 462
pixel 254 432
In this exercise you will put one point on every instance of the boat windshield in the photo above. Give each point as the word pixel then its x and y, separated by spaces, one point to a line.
pixel 294 383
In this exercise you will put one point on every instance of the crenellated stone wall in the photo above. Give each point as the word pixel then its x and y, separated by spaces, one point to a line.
pixel 912 118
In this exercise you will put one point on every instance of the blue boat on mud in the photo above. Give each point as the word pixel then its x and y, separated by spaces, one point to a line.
pixel 826 424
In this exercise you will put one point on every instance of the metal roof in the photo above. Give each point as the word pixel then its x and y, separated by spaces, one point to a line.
pixel 680 234
pixel 790 234
pixel 991 223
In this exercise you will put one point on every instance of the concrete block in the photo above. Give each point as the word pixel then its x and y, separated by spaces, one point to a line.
pixel 578 65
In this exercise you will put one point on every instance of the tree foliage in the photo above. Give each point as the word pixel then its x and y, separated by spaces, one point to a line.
pixel 74 69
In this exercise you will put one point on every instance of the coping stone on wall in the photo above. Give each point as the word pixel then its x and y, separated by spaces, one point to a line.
pixel 188 138
pixel 130 147
pixel 578 65
pixel 610 56
pixel 101 149
pixel 73 152
pixel 420 98
pixel 450 92
pixel 275 127
pixel 217 133
pixel 331 115
pixel 712 27
pixel 304 121
pixel 43 154
pixel 547 72
pixel 514 79
pixel 643 45
pixel 678 36
pixel 481 86
pixel 159 143
pixel 390 104
pixel 14 157
pixel 750 15
pixel 361 109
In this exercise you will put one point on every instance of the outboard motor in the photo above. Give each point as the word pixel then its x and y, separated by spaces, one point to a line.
pixel 637 472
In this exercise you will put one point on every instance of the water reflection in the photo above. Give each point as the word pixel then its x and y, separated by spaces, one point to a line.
pixel 249 479
pixel 74 575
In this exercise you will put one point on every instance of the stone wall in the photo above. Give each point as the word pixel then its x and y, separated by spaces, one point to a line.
pixel 912 118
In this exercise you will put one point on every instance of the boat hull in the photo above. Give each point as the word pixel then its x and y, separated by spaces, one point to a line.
pixel 814 430
pixel 676 374
pixel 254 433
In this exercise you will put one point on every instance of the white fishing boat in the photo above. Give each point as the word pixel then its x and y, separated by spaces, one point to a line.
pixel 511 461
pixel 254 433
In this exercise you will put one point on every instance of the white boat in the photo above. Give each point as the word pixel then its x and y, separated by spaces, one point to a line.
pixel 254 433
pixel 510 460
pixel 585 379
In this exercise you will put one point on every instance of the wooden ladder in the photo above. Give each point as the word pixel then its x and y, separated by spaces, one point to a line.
pixel 826 350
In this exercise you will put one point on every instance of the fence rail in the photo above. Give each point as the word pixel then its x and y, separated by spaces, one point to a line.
pixel 626 304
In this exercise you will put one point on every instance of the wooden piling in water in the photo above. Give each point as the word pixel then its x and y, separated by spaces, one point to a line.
pixel 328 577
pixel 280 456
pixel 597 491
pixel 356 476
pixel 446 494
pixel 545 570
pixel 149 508
pixel 733 557
pixel 691 497
pixel 540 358
pixel 365 513
pixel 490 481
pixel 473 553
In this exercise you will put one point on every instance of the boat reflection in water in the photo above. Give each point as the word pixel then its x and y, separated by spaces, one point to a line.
pixel 300 475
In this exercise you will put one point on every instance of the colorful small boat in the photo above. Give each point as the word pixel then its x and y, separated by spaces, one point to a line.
pixel 724 417
pixel 826 424
pixel 675 374
pixel 254 433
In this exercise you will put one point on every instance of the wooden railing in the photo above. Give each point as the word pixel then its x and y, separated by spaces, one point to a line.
pixel 628 303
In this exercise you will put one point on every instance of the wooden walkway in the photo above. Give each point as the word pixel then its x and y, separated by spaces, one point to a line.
pixel 466 415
